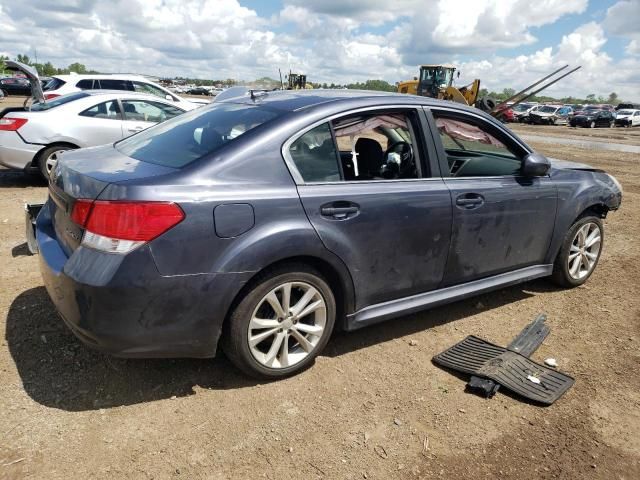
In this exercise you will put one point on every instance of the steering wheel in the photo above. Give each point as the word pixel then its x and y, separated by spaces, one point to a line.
pixel 405 166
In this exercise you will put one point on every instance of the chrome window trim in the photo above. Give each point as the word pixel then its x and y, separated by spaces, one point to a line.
pixel 295 173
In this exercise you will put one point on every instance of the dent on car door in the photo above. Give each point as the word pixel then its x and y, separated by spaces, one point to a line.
pixel 502 220
pixel 366 186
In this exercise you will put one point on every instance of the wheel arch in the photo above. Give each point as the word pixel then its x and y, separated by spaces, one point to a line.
pixel 336 275
pixel 38 158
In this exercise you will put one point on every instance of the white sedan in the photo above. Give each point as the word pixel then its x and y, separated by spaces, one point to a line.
pixel 34 138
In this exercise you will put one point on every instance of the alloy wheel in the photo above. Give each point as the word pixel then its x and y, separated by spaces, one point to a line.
pixel 287 325
pixel 51 161
pixel 584 251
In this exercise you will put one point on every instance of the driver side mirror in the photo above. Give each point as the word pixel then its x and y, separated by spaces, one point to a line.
pixel 535 165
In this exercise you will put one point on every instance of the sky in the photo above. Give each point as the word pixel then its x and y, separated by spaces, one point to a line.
pixel 504 43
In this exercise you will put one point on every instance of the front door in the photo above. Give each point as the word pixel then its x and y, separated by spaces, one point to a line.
pixel 502 221
pixel 365 185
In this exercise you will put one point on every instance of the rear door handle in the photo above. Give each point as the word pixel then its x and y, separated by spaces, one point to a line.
pixel 339 212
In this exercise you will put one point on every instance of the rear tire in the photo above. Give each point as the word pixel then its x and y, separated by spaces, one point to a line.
pixel 580 252
pixel 281 324
pixel 49 158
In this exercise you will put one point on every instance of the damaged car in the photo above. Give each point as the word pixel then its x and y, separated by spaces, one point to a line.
pixel 263 222
pixel 550 115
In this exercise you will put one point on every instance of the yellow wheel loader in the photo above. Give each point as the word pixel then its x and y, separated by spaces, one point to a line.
pixel 436 81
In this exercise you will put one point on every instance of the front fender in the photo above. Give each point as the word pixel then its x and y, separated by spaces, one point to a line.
pixel 579 190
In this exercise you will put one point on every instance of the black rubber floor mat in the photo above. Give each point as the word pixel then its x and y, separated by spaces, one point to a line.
pixel 510 369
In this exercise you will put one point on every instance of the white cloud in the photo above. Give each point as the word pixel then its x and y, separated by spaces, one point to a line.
pixel 332 41
pixel 622 20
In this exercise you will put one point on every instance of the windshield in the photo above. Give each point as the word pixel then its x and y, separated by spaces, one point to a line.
pixel 56 102
pixel 193 135
pixel 521 107
pixel 548 109
pixel 625 112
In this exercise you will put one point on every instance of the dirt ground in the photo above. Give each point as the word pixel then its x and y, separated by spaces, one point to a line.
pixel 373 406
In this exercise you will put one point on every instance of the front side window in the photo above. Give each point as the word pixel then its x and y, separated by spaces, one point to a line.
pixel 148 88
pixel 144 111
pixel 195 134
pixel 106 110
pixel 473 150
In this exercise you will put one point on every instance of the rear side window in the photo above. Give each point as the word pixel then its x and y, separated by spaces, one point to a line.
pixel 195 134
pixel 113 84
pixel 315 155
pixel 56 102
pixel 148 88
pixel 86 84
pixel 106 110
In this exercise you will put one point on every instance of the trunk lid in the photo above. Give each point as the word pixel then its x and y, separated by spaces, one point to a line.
pixel 32 75
pixel 84 174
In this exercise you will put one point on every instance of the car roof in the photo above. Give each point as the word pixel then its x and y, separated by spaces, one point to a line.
pixel 297 100
pixel 100 76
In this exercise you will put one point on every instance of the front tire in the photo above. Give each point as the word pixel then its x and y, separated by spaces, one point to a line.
pixel 580 252
pixel 281 324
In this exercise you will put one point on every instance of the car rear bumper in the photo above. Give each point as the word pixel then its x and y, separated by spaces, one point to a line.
pixel 16 153
pixel 120 304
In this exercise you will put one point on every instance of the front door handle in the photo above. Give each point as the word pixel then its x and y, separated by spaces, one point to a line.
pixel 136 129
pixel 470 200
pixel 339 211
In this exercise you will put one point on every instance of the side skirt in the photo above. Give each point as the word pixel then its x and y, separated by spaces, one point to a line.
pixel 404 306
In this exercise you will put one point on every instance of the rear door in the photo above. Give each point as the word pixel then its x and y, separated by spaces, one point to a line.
pixel 368 186
pixel 502 221
pixel 100 124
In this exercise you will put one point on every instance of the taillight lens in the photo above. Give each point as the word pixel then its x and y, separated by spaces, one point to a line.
pixel 119 227
pixel 49 96
pixel 11 124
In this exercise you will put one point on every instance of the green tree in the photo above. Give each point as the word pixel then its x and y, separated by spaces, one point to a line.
pixel 2 64
pixel 591 97
pixel 23 59
pixel 78 68
pixel 613 98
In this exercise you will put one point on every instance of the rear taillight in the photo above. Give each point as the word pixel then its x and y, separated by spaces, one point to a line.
pixel 119 227
pixel 11 124
pixel 49 96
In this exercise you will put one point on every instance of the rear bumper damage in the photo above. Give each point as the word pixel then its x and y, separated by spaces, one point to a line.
pixel 120 304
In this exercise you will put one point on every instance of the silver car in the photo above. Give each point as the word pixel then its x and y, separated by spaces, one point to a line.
pixel 34 138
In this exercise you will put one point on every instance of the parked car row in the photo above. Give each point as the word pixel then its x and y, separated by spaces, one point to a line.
pixel 78 114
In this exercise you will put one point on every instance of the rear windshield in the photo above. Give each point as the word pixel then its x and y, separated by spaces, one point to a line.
pixel 56 102
pixel 195 134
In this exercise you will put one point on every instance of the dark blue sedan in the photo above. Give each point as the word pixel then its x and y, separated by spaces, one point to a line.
pixel 264 221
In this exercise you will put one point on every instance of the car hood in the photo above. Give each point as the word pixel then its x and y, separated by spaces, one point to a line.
pixel 558 164
pixel 624 116
pixel 32 75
